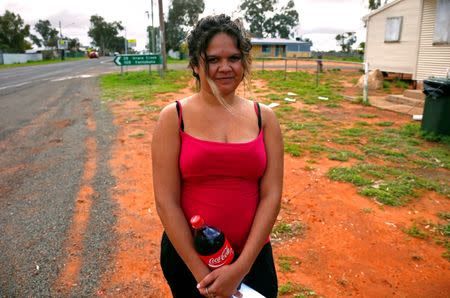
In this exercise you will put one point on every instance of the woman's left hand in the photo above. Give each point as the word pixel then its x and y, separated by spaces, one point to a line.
pixel 222 282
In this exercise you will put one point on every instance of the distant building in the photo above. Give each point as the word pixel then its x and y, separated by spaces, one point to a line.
pixel 280 48
pixel 410 37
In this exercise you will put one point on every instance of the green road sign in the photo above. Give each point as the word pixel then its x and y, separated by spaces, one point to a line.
pixel 137 59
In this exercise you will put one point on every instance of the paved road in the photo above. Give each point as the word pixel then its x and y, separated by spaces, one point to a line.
pixel 55 140
pixel 55 148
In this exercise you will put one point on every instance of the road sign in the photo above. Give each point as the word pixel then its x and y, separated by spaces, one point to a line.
pixel 137 60
pixel 131 43
pixel 62 44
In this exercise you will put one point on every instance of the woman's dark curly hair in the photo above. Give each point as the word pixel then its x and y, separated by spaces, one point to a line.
pixel 199 38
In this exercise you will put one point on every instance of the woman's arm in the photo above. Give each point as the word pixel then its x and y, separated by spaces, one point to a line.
pixel 271 186
pixel 269 205
pixel 166 184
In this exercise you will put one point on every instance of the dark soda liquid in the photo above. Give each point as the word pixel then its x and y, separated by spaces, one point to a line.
pixel 208 241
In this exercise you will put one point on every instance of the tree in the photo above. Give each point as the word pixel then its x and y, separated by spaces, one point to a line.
pixel 374 4
pixel 362 48
pixel 280 24
pixel 254 12
pixel 13 33
pixel 346 40
pixel 49 35
pixel 182 15
pixel 118 44
pixel 153 35
pixel 74 44
pixel 104 34
pixel 308 40
pixel 264 23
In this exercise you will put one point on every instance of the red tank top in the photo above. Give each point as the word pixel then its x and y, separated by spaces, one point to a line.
pixel 220 181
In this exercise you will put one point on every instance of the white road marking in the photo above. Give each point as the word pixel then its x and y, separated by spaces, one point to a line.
pixel 72 77
pixel 16 85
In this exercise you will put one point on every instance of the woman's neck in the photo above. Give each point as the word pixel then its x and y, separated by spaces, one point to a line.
pixel 210 98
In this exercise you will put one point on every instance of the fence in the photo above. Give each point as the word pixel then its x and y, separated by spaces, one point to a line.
pixel 71 54
pixel 19 58
pixel 316 66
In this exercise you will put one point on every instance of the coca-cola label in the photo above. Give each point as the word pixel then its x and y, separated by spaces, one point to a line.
pixel 223 256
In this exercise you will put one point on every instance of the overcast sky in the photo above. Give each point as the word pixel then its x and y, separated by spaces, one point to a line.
pixel 320 20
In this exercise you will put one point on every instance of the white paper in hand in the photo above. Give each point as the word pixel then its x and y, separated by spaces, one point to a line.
pixel 248 292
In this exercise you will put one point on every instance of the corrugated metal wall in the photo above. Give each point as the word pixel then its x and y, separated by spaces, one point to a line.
pixel 433 60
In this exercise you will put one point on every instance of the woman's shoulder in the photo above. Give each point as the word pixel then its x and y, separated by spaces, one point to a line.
pixel 266 112
pixel 169 111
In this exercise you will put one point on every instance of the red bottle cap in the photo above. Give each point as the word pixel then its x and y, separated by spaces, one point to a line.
pixel 197 222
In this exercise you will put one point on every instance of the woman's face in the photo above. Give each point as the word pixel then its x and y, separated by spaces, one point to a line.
pixel 225 65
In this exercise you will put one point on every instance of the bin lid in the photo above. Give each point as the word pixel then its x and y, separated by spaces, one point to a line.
pixel 436 85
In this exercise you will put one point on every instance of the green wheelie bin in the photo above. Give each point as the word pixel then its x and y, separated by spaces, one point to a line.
pixel 436 113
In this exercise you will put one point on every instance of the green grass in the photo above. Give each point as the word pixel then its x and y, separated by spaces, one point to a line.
pixel 344 155
pixel 388 185
pixel 137 135
pixel 42 62
pixel 177 61
pixel 444 215
pixel 297 290
pixel 444 230
pixel 368 116
pixel 385 123
pixel 309 126
pixel 355 132
pixel 415 232
pixel 140 85
pixel 347 59
pixel 301 83
pixel 403 150
pixel 285 263
pixel 346 141
pixel 293 149
pixel 283 230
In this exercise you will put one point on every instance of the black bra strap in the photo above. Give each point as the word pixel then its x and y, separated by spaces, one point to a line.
pixel 180 115
pixel 259 116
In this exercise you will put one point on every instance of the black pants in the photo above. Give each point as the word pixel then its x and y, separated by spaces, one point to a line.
pixel 262 276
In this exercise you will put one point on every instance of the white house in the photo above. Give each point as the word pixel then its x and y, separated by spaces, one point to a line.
pixel 410 37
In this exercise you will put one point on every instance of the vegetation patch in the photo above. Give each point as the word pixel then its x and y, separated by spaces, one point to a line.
pixel 303 84
pixel 388 185
pixel 140 85
pixel 355 132
pixel 415 232
pixel 286 262
pixel 283 230
pixel 297 290
pixel 293 149
pixel 368 116
pixel 444 215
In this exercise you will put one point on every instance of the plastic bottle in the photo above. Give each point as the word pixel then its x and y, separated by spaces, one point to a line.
pixel 211 244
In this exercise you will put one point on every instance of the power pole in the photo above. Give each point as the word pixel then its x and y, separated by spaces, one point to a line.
pixel 163 36
pixel 153 33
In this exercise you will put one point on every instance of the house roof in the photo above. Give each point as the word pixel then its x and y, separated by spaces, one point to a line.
pixel 382 8
pixel 275 41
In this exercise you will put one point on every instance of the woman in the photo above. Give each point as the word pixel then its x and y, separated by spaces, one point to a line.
pixel 220 156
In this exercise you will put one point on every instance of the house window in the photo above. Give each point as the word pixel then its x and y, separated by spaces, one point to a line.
pixel 393 29
pixel 266 48
pixel 442 24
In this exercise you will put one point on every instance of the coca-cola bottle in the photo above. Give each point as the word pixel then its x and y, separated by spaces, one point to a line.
pixel 211 244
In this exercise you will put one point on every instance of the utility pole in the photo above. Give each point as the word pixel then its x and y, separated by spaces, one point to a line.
pixel 153 33
pixel 163 36
pixel 59 41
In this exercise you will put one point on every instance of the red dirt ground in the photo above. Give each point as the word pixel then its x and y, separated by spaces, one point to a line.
pixel 344 250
